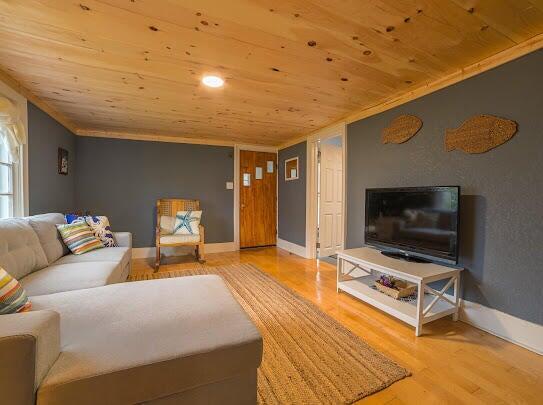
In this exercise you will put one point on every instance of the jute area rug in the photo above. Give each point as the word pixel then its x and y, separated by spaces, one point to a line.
pixel 309 358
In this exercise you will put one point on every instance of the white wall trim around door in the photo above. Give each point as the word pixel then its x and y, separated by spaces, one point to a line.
pixel 148 252
pixel 292 247
pixel 515 330
pixel 311 184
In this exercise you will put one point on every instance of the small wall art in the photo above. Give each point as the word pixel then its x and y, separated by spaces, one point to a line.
pixel 480 134
pixel 62 161
pixel 401 129
pixel 291 169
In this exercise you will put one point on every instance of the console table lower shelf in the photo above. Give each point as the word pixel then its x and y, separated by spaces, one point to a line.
pixel 355 271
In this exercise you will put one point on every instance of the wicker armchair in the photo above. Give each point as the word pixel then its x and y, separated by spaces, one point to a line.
pixel 169 207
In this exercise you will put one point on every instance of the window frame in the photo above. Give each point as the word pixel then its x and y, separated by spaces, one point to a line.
pixel 15 189
pixel 19 174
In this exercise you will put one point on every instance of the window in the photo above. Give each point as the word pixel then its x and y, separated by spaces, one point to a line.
pixel 13 155
pixel 7 182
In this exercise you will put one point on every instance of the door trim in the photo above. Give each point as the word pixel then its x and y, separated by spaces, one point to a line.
pixel 311 185
pixel 253 148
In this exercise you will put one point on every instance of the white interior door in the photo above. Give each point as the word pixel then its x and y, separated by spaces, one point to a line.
pixel 331 199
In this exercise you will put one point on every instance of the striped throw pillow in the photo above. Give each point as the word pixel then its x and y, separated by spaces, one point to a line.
pixel 12 296
pixel 79 237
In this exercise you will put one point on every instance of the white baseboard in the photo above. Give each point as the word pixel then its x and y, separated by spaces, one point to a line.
pixel 292 247
pixel 515 330
pixel 146 252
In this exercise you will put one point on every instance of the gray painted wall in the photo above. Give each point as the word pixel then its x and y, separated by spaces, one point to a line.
pixel 48 190
pixel 123 179
pixel 291 209
pixel 502 205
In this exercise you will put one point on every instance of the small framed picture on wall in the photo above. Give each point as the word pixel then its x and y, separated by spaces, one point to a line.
pixel 291 169
pixel 62 161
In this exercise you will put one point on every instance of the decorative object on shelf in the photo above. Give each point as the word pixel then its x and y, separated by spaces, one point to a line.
pixel 62 161
pixel 402 129
pixel 480 134
pixel 291 169
pixel 410 298
pixel 394 287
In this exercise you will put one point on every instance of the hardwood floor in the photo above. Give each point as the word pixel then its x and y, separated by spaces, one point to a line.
pixel 451 363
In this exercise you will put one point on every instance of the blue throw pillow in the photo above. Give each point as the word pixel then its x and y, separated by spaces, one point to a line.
pixel 73 218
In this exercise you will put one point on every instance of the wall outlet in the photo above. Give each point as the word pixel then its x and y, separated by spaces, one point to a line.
pixel 229 185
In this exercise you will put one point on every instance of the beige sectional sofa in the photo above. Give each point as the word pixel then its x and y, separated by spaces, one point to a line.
pixel 93 339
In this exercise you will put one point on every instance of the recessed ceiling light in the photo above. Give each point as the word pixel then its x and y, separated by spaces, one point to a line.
pixel 213 81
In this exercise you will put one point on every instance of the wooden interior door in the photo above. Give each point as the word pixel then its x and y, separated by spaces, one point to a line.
pixel 257 199
pixel 331 200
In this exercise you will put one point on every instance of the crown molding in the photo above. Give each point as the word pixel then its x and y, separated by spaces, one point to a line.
pixel 153 137
pixel 533 44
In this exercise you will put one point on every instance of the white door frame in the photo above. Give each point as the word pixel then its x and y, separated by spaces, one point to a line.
pixel 311 185
pixel 254 148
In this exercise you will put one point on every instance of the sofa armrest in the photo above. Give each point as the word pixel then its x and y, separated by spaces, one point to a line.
pixel 29 346
pixel 123 239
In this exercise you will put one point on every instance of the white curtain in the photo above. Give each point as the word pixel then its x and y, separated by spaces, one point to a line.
pixel 12 131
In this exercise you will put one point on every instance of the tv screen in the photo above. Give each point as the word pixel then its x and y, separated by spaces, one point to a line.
pixel 421 221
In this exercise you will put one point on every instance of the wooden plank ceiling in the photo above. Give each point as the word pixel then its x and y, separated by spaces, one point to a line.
pixel 291 66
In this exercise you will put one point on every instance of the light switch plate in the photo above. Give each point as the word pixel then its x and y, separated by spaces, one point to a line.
pixel 229 185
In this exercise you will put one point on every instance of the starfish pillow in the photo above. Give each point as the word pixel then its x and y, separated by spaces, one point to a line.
pixel 187 222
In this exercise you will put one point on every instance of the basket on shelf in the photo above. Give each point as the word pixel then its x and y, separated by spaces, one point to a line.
pixel 395 288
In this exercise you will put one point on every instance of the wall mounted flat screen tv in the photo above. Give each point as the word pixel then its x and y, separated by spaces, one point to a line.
pixel 414 223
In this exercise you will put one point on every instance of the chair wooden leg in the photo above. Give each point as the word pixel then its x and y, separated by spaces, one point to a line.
pixel 200 250
pixel 157 260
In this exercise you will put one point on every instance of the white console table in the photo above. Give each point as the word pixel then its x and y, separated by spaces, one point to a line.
pixel 354 276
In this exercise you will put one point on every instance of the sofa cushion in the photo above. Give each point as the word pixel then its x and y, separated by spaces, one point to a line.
pixel 72 276
pixel 144 340
pixel 20 250
pixel 121 255
pixel 113 254
pixel 45 227
pixel 29 345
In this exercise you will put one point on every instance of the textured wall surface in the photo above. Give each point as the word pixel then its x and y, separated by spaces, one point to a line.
pixel 291 215
pixel 123 179
pixel 501 233
pixel 48 190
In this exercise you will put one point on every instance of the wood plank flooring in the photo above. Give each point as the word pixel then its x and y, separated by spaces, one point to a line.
pixel 451 363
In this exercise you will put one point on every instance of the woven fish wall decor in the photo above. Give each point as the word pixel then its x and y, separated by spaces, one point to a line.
pixel 480 134
pixel 401 129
